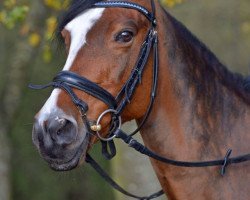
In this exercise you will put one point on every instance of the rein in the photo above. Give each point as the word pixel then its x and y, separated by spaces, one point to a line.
pixel 67 80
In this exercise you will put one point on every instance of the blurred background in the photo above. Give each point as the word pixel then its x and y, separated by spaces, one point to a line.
pixel 28 55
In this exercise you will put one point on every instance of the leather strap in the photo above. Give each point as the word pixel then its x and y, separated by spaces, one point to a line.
pixel 126 93
pixel 125 4
pixel 144 150
pixel 78 102
pixel 83 84
pixel 108 149
pixel 111 182
pixel 154 85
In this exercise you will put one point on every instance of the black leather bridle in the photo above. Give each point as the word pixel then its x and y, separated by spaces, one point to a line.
pixel 67 80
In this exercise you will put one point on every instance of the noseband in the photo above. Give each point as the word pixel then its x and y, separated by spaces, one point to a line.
pixel 68 81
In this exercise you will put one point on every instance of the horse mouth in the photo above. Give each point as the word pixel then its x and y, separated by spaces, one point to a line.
pixel 72 163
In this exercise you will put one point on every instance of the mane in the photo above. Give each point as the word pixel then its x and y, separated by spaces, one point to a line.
pixel 198 55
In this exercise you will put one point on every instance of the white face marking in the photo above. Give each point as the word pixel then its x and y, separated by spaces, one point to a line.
pixel 49 107
pixel 78 29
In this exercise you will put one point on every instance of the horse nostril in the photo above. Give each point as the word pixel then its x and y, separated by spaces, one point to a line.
pixel 62 122
pixel 62 131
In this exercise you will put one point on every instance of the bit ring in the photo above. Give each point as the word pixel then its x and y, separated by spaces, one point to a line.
pixel 99 125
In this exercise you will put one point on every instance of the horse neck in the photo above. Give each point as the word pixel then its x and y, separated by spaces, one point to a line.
pixel 200 112
pixel 200 108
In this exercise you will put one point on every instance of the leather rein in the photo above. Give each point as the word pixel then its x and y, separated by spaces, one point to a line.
pixel 67 80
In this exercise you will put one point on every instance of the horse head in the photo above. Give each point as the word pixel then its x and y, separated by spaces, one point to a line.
pixel 103 45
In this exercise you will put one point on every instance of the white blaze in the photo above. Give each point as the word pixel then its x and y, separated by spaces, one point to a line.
pixel 78 29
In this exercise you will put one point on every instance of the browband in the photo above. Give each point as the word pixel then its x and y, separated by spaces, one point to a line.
pixel 128 5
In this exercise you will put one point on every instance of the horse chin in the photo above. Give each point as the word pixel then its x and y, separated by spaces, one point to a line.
pixel 77 159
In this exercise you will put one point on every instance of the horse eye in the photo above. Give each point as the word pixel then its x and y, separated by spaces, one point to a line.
pixel 124 36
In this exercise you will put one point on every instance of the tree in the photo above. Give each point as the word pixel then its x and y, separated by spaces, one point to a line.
pixel 14 80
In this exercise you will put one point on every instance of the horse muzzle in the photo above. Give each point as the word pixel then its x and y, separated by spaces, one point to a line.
pixel 60 142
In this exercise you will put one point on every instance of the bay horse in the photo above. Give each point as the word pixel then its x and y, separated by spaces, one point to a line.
pixel 188 106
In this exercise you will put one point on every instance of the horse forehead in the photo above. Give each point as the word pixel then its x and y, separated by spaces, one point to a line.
pixel 78 29
pixel 83 22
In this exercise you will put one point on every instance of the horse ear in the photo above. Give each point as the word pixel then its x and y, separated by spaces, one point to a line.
pixel 63 33
pixel 66 38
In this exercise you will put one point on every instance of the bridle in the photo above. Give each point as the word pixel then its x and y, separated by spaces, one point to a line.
pixel 67 80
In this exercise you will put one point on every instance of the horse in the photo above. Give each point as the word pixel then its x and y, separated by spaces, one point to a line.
pixel 187 104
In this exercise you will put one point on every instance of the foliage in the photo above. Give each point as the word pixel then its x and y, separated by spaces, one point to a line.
pixel 171 3
pixel 13 14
